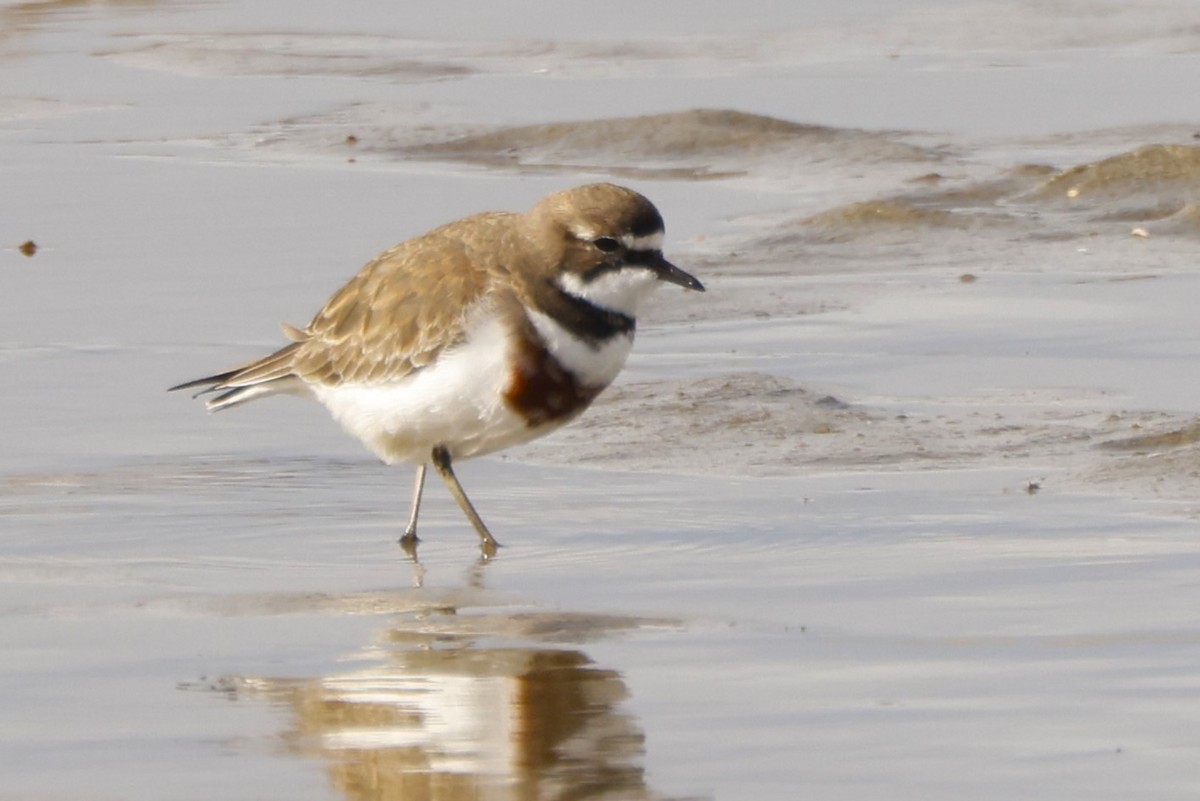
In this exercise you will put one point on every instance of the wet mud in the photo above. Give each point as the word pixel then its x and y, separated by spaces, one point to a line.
pixel 757 424
pixel 695 144
pixel 906 500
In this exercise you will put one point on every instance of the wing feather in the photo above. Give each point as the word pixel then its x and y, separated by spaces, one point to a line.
pixel 403 308
pixel 395 316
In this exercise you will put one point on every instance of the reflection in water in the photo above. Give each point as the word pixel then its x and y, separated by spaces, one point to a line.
pixel 444 718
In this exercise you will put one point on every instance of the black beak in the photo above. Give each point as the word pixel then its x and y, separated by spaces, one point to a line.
pixel 673 275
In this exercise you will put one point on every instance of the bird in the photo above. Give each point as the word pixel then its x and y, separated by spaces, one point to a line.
pixel 479 335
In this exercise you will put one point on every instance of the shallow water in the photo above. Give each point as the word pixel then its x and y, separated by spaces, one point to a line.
pixel 903 507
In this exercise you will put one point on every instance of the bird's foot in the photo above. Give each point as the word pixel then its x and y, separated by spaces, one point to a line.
pixel 408 543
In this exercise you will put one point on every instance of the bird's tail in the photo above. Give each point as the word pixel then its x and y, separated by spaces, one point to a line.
pixel 269 375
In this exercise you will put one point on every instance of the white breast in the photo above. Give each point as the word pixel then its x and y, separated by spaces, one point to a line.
pixel 592 366
pixel 457 401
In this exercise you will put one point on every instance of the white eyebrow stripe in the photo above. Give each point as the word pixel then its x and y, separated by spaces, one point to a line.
pixel 649 242
pixel 652 241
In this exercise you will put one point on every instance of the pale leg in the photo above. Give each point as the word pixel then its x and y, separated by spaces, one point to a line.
pixel 410 531
pixel 441 462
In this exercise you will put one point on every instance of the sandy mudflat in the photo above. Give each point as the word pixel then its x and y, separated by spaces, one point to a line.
pixel 904 507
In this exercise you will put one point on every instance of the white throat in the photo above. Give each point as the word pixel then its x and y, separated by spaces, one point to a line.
pixel 621 290
pixel 593 365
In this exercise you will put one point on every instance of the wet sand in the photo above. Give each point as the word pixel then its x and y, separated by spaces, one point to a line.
pixel 903 507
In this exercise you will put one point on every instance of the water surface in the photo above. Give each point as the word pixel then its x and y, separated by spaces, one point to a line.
pixel 903 507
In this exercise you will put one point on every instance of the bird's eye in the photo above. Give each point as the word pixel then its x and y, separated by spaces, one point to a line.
pixel 606 243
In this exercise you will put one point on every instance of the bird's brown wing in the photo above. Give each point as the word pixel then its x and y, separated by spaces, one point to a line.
pixel 403 308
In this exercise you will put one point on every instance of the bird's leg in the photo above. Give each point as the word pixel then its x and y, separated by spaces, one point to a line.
pixel 441 462
pixel 409 540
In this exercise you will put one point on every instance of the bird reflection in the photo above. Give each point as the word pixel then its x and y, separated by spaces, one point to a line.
pixel 440 717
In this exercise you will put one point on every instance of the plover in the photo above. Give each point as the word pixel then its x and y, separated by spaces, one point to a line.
pixel 481 334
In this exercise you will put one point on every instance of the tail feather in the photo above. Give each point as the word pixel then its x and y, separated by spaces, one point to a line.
pixel 267 376
pixel 209 383
pixel 239 395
